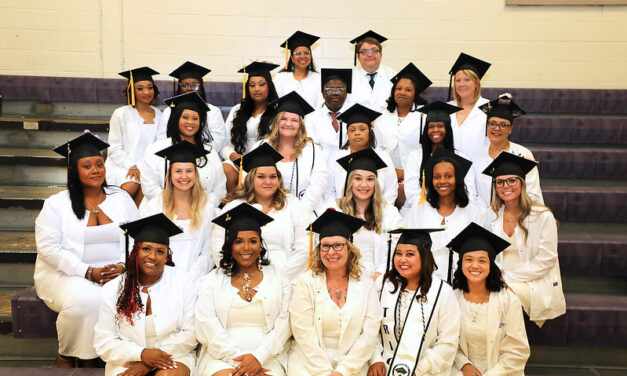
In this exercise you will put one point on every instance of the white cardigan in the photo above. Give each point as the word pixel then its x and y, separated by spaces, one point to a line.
pixel 539 264
pixel 506 338
pixel 212 310
pixel 361 319
pixel 398 140
pixel 472 132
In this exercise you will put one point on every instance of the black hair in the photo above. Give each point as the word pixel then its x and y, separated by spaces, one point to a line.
pixel 372 139
pixel 461 196
pixel 418 100
pixel 290 64
pixel 493 282
pixel 201 90
pixel 427 268
pixel 427 144
pixel 75 189
pixel 174 132
pixel 227 263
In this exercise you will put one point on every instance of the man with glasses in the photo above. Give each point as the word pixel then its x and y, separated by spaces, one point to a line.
pixel 371 80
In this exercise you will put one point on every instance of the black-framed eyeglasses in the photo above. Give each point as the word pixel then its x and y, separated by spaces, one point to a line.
pixel 336 247
pixel 495 124
pixel 190 85
pixel 335 90
pixel 369 51
pixel 500 183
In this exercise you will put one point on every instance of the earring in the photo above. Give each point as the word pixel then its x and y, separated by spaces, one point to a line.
pixel 259 263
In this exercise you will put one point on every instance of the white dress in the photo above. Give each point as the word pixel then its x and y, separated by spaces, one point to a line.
pixel 473 323
pixel 152 168
pixel 320 129
pixel 66 247
pixel 251 134
pixel 471 134
pixel 373 98
pixel 309 88
pixel 398 140
pixel 128 138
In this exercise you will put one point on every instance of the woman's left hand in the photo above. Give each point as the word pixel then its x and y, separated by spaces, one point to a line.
pixel 375 276
pixel 249 365
pixel 111 271
pixel 136 369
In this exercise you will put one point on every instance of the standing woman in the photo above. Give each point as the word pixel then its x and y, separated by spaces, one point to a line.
pixel 362 199
pixel 437 133
pixel 131 129
pixel 146 319
pixel 80 247
pixel 187 122
pixel 358 120
pixel 420 327
pixel 530 266
pixel 501 113
pixel 250 120
pixel 334 312
pixel 286 237
pixel 469 124
pixel 300 73
pixel 492 339
pixel 447 205
pixel 242 315
pixel 185 202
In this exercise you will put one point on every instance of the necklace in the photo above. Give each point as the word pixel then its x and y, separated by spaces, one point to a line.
pixel 95 210
pixel 247 286
pixel 152 284
pixel 339 295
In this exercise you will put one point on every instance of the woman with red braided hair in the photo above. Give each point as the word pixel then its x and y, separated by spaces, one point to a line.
pixel 146 319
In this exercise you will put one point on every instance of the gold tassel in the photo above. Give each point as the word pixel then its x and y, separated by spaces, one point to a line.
pixel 423 196
pixel 131 88
pixel 244 84
pixel 241 168
pixel 310 248
pixel 287 55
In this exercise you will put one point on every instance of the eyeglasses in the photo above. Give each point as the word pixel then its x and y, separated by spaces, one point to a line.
pixel 301 53
pixel 335 90
pixel 494 125
pixel 336 247
pixel 500 183
pixel 372 51
pixel 193 86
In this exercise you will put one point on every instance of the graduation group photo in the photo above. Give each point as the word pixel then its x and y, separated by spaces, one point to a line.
pixel 285 189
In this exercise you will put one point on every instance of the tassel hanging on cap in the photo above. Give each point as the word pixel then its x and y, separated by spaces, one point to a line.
pixel 241 168
pixel 173 88
pixel 130 90
pixel 355 54
pixel 244 84
pixel 423 196
pixel 310 248
pixel 287 55
pixel 450 85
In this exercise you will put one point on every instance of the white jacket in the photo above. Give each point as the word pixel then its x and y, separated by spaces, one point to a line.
pixel 310 88
pixel 472 132
pixel 398 140
pixel 373 98
pixel 215 126
pixel 360 322
pixel 507 345
pixel 320 128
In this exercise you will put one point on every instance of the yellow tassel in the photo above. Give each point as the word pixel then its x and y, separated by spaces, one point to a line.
pixel 131 88
pixel 423 196
pixel 241 168
pixel 310 248
pixel 244 84
pixel 287 56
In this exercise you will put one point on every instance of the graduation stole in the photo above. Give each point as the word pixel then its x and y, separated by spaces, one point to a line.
pixel 401 355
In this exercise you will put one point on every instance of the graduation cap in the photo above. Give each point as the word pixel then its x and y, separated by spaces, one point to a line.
pixel 299 39
pixel 243 217
pixel 85 145
pixel 136 75
pixel 190 70
pixel 438 111
pixel 366 159
pixel 263 155
pixel 182 152
pixel 256 69
pixel 503 107
pixel 190 101
pixel 335 223
pixel 344 75
pixel 293 103
pixel 368 34
pixel 464 62
pixel 415 75
pixel 420 237
pixel 477 238
pixel 461 164
pixel 155 229
pixel 358 114
pixel 507 163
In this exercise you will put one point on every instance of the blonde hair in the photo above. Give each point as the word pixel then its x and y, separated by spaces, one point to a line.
pixel 301 136
pixel 353 269
pixel 374 213
pixel 473 76
pixel 197 204
pixel 247 191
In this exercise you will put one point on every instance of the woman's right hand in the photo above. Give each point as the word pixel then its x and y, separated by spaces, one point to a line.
pixel 234 156
pixel 134 174
pixel 136 369
pixel 377 369
pixel 156 358
pixel 470 370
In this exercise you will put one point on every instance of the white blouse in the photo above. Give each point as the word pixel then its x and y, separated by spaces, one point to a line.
pixel 398 139
pixel 470 134
pixel 309 88
pixel 251 133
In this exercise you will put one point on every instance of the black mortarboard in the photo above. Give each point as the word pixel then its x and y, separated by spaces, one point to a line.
pixel 507 163
pixel 263 155
pixel 182 151
pixel 190 70
pixel 300 39
pixel 358 114
pixel 335 223
pixel 344 75
pixel 243 217
pixel 415 75
pixel 438 111
pixel 465 61
pixel 291 102
pixel 477 238
pixel 366 159
pixel 461 164
pixel 139 74
pixel 503 107
pixel 370 34
pixel 85 145
pixel 416 236
pixel 155 229
pixel 258 68
pixel 190 101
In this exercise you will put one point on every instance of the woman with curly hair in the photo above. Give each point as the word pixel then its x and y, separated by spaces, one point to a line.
pixel 250 120
pixel 146 319
pixel 492 338
pixel 334 312
pixel 420 326
pixel 286 237
pixel 242 317
pixel 447 206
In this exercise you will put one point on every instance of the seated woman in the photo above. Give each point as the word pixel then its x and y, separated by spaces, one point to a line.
pixel 492 340
pixel 448 206
pixel 358 120
pixel 362 199
pixel 187 122
pixel 299 73
pixel 189 76
pixel 286 236
pixel 335 312
pixel 242 315
pixel 185 203
pixel 250 120
pixel 146 319
pixel 420 327
pixel 501 113
pixel 398 130
pixel 80 247
pixel 469 124
pixel 437 133
pixel 304 165
pixel 530 266
pixel 131 129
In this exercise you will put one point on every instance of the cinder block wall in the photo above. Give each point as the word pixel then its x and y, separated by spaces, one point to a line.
pixel 539 46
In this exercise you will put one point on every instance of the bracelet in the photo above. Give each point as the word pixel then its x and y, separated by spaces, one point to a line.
pixel 89 270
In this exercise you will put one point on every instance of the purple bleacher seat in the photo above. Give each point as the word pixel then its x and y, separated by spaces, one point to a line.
pixel 31 317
